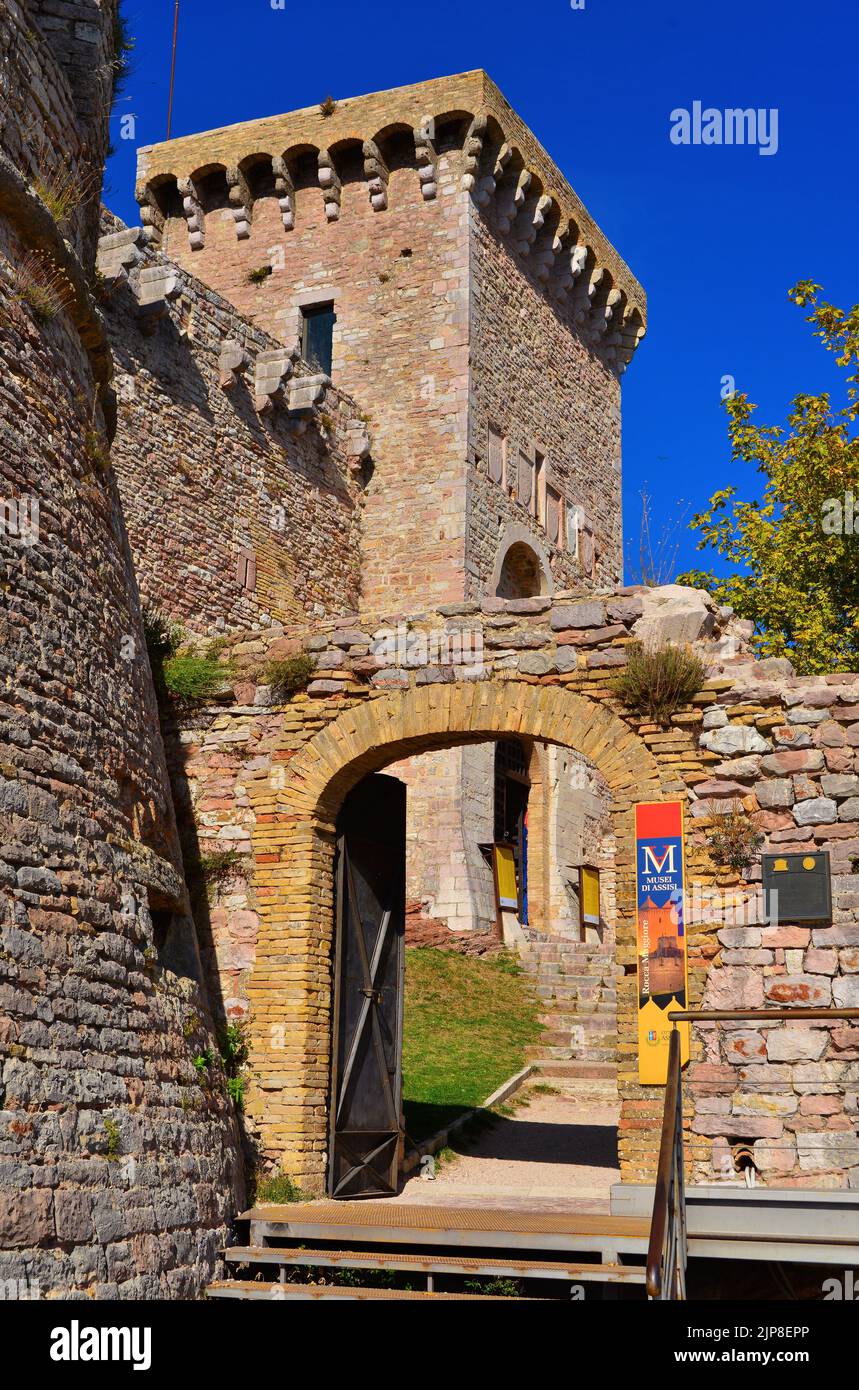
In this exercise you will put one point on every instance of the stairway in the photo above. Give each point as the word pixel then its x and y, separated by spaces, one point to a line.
pixel 576 982
pixel 546 1252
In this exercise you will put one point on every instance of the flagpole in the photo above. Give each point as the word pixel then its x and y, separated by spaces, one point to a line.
pixel 173 69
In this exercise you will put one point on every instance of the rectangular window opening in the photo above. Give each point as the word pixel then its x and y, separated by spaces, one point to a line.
pixel 317 336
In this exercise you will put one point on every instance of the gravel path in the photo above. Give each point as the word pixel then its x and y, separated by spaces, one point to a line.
pixel 558 1153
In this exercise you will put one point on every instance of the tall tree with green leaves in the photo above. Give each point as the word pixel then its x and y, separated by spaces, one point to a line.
pixel 796 548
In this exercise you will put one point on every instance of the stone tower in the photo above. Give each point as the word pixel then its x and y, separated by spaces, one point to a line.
pixel 118 1169
pixel 480 318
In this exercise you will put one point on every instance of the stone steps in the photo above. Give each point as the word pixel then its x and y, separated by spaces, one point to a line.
pixel 576 985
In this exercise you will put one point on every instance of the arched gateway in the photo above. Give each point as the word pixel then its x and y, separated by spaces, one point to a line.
pixel 296 807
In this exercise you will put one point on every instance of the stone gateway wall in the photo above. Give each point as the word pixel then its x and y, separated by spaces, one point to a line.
pixel 271 778
pixel 118 1170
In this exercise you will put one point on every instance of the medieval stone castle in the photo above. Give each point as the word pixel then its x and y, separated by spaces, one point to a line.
pixel 351 389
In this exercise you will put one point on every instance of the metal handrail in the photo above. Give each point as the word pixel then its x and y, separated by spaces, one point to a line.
pixel 666 1251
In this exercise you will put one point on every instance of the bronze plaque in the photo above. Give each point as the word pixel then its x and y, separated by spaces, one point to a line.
pixel 803 887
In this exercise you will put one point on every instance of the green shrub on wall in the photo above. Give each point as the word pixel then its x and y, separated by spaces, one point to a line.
pixel 659 680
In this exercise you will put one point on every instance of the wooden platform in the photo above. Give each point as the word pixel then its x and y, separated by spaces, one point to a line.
pixel 292 1293
pixel 389 1223
pixel 486 1266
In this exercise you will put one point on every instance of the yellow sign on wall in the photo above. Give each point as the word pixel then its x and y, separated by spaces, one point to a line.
pixel 589 896
pixel 505 878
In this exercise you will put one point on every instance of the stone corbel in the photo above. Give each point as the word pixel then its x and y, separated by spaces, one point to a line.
pixel 272 369
pixel 285 192
pixel 376 174
pixel 584 295
pixel 528 223
pixel 329 182
pixel 118 252
pixel 630 333
pixel 604 310
pixel 573 268
pixel 427 159
pixel 358 445
pixel 473 151
pixel 485 190
pixel 193 214
pixel 544 261
pixel 151 215
pixel 306 392
pixel 240 202
pixel 511 200
pixel 232 360
pixel 156 286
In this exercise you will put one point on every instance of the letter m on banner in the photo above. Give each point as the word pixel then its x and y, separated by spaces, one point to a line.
pixel 660 934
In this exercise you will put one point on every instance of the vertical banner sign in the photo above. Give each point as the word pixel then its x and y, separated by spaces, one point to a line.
pixel 661 934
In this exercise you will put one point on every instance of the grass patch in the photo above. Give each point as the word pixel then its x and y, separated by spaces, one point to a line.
pixel 39 284
pixel 188 677
pixel 659 680
pixel 288 675
pixel 467 1025
pixel 219 866
pixel 734 839
pixel 279 1190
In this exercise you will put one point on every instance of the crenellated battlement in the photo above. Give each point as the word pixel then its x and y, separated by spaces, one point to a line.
pixel 463 122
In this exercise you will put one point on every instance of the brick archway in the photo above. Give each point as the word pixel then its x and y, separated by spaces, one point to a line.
pixel 296 806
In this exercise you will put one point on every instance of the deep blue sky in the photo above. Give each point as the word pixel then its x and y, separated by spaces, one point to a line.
pixel 715 234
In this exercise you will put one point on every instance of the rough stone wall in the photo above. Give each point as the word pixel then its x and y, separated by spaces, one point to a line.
pixel 241 508
pixel 537 384
pixel 56 77
pixel 754 734
pixel 576 808
pixel 118 1171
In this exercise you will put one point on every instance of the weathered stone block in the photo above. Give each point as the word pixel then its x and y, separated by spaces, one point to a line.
pixel 826 1151
pixel 577 615
pixel 792 760
pixel 734 738
pixel 845 992
pixel 26 1218
pixel 775 792
pixel 787 1044
pixel 808 991
pixel 819 810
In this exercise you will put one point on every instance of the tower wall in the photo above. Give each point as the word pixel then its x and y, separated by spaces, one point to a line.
pixel 118 1170
pixel 541 388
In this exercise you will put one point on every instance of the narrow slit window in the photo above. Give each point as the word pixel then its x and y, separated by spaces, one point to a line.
pixel 317 336
pixel 539 496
